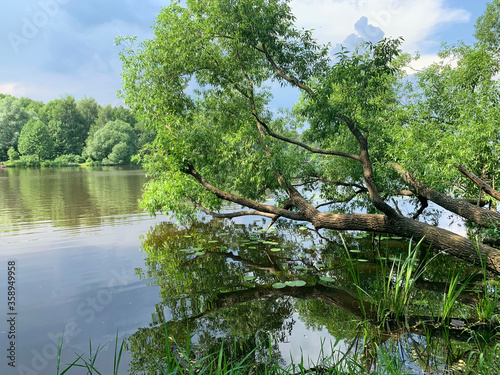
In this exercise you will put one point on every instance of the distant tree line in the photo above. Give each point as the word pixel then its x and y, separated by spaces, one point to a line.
pixel 69 131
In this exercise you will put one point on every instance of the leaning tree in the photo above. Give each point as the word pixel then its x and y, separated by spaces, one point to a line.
pixel 206 82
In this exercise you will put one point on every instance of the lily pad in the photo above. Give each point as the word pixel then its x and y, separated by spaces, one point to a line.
pixel 275 249
pixel 251 247
pixel 199 253
pixel 320 265
pixel 270 243
pixel 358 237
pixel 396 238
pixel 303 228
pixel 299 267
pixel 296 283
pixel 213 241
pixel 249 278
pixel 187 236
pixel 355 251
pixel 327 279
pixel 363 260
pixel 279 285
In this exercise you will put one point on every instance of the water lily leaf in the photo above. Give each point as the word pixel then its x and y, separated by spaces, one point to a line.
pixel 187 236
pixel 276 249
pixel 327 279
pixel 303 228
pixel 279 285
pixel 363 260
pixel 248 278
pixel 355 251
pixel 320 265
pixel 213 241
pixel 358 237
pixel 296 283
pixel 299 267
pixel 251 247
pixel 396 238
pixel 270 243
pixel 199 253
pixel 186 250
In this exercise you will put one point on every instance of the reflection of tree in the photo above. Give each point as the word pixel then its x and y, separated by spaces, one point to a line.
pixel 69 196
pixel 216 280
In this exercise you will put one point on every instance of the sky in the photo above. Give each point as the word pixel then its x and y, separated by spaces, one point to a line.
pixel 53 48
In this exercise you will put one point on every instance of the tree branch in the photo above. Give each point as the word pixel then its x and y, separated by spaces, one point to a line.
pixel 460 207
pixel 231 215
pixel 287 78
pixel 241 200
pixel 303 145
pixel 483 185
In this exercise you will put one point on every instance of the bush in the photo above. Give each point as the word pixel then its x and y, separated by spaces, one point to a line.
pixel 69 158
pixel 13 154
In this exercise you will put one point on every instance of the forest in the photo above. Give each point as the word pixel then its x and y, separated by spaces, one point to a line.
pixel 67 131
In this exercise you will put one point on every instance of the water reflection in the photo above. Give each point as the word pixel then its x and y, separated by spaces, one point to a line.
pixel 72 197
pixel 236 283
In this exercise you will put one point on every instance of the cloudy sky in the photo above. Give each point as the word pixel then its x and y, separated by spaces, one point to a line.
pixel 50 48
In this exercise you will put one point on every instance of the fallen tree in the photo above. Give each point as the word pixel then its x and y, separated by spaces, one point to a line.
pixel 201 83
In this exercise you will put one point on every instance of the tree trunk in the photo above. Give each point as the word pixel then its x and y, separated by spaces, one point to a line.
pixel 441 239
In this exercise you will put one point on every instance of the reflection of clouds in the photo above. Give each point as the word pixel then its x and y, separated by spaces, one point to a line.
pixel 304 343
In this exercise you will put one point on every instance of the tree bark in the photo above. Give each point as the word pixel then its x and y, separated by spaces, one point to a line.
pixel 483 185
pixel 471 212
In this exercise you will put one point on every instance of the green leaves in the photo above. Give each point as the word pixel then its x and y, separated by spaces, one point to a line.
pixel 35 139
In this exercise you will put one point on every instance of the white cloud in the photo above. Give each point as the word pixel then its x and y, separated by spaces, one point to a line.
pixel 415 21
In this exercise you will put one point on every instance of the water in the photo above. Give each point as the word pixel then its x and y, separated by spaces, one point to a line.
pixel 90 265
pixel 74 234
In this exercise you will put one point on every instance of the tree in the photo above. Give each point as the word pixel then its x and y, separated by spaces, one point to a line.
pixel 110 113
pixel 115 142
pixel 12 119
pixel 222 142
pixel 488 26
pixel 35 139
pixel 67 126
pixel 89 110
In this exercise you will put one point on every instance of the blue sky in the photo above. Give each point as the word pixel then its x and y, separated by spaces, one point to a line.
pixel 50 48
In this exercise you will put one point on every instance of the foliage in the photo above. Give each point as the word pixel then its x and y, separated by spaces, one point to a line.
pixel 67 126
pixel 215 129
pixel 12 119
pixel 452 119
pixel 35 139
pixel 116 142
pixel 69 159
pixel 488 26
pixel 13 154
pixel 89 110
